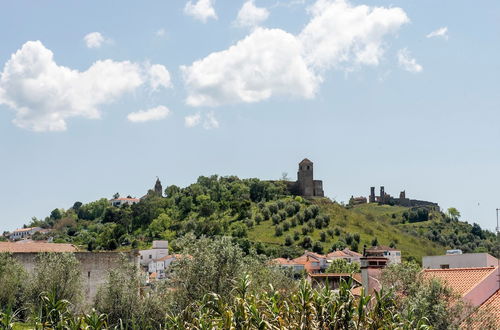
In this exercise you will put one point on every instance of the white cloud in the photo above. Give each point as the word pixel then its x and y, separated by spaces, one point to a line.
pixel 407 62
pixel 273 62
pixel 159 76
pixel 210 121
pixel 439 33
pixel 157 113
pixel 160 33
pixel 266 63
pixel 250 15
pixel 192 120
pixel 202 10
pixel 94 40
pixel 44 94
pixel 341 33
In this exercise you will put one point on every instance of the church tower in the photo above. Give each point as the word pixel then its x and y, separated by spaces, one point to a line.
pixel 158 188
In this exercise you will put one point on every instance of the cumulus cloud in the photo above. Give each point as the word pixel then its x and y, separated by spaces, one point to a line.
pixel 94 40
pixel 439 33
pixel 142 116
pixel 202 10
pixel 192 120
pixel 210 121
pixel 273 62
pixel 44 94
pixel 159 76
pixel 407 62
pixel 250 15
pixel 266 63
pixel 207 120
pixel 341 33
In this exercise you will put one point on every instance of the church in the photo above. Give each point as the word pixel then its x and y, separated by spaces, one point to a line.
pixel 306 185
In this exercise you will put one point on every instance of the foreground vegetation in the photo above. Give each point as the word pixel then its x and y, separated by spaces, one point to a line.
pixel 217 285
pixel 261 215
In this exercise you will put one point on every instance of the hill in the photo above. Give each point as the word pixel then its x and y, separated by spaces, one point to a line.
pixel 264 216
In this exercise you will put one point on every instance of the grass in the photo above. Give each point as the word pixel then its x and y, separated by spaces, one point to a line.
pixel 367 220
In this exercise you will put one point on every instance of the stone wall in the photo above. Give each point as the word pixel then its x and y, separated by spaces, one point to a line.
pixel 94 267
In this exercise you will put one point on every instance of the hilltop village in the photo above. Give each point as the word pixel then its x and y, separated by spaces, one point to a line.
pixel 291 224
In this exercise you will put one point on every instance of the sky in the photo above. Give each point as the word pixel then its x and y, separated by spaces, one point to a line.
pixel 99 97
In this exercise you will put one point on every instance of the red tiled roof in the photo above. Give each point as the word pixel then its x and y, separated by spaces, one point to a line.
pixel 352 253
pixel 24 229
pixel 36 247
pixel 282 261
pixel 126 199
pixel 337 254
pixel 461 280
pixel 484 315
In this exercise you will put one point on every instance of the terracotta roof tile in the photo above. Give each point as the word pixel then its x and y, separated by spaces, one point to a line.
pixel 488 312
pixel 36 247
pixel 461 280
pixel 338 254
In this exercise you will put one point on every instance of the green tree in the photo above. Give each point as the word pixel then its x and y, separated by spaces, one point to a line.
pixel 342 266
pixel 13 283
pixel 453 213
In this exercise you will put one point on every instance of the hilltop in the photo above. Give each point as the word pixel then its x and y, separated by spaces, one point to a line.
pixel 262 215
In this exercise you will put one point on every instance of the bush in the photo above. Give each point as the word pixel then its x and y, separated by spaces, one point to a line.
pixel 293 222
pixel 258 219
pixel 276 219
pixel 300 218
pixel 306 242
pixel 375 242
pixel 13 283
pixel 322 236
pixel 348 239
pixel 273 208
pixel 278 230
pixel 266 213
pixel 330 232
pixel 318 222
pixel 337 231
pixel 288 240
pixel 290 210
pixel 282 215
pixel 356 237
pixel 305 230
pixel 286 226
pixel 281 204
pixel 296 236
pixel 58 274
pixel 317 247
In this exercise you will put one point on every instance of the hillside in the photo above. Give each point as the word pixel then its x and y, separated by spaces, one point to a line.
pixel 264 216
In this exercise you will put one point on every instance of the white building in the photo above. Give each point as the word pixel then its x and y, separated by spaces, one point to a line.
pixel 393 255
pixel 159 266
pixel 159 250
pixel 23 233
pixel 122 201
pixel 466 260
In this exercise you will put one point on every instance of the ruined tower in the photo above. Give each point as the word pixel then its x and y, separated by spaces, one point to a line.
pixel 305 180
pixel 382 195
pixel 158 190
pixel 372 195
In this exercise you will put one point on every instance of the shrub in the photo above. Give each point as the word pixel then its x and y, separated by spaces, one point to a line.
pixel 282 215
pixel 278 230
pixel 306 242
pixel 322 236
pixel 281 204
pixel 317 247
pixel 286 226
pixel 330 232
pixel 288 240
pixel 276 219
pixel 296 236
pixel 258 219
pixel 305 230
pixel 337 231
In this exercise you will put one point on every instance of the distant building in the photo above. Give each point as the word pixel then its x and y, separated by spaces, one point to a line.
pixel 122 201
pixel 23 233
pixel 466 260
pixel 306 185
pixel 371 271
pixel 393 255
pixel 159 250
pixel 159 266
pixel 158 189
pixel 346 254
pixel 357 200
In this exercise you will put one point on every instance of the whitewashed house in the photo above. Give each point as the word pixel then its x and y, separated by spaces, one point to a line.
pixel 23 233
pixel 159 250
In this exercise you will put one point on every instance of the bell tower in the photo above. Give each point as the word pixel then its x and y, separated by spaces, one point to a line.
pixel 158 187
pixel 305 178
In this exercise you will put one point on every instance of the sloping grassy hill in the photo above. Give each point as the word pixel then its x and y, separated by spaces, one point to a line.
pixel 368 220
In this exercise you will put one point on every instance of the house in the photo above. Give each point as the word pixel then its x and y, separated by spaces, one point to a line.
pixel 486 316
pixel 23 233
pixel 159 266
pixel 309 262
pixel 123 200
pixel 393 255
pixel 465 260
pixel 159 250
pixel 346 254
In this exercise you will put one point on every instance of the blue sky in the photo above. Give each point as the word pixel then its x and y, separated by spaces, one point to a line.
pixel 103 96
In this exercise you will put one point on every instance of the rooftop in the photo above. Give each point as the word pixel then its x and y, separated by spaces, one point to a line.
pixel 461 280
pixel 36 247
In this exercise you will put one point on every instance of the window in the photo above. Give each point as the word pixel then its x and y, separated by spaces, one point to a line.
pixel 88 275
pixel 398 254
pixel 141 257
pixel 444 266
pixel 307 166
pixel 150 256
